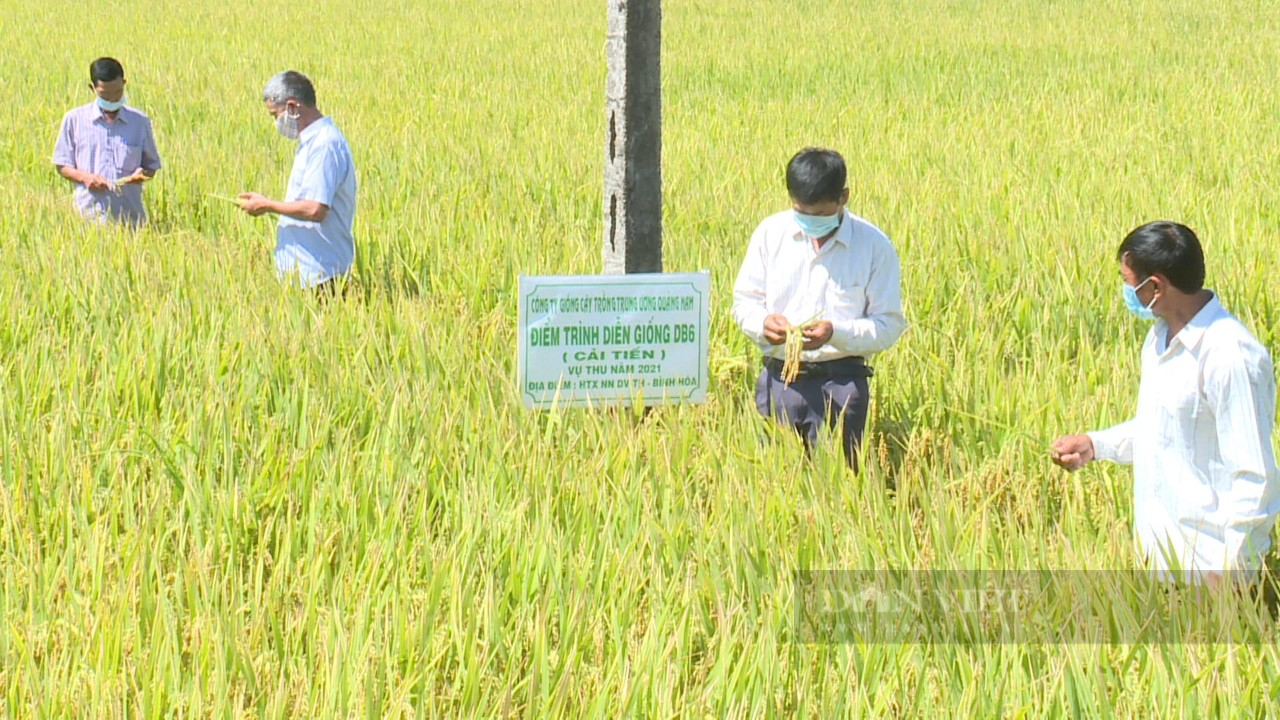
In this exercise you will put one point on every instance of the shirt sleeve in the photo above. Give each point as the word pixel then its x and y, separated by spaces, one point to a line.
pixel 150 155
pixel 1115 443
pixel 1240 391
pixel 883 323
pixel 324 173
pixel 749 304
pixel 64 150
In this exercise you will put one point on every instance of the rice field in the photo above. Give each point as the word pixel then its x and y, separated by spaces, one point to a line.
pixel 222 498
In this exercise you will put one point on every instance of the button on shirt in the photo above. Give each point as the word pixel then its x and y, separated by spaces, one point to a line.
pixel 1204 474
pixel 113 150
pixel 853 281
pixel 322 172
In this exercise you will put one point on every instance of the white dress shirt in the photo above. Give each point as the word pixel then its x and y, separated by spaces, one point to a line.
pixel 1204 474
pixel 854 282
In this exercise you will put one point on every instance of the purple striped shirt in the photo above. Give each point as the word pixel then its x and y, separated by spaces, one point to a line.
pixel 114 150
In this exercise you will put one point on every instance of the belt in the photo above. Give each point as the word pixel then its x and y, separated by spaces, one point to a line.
pixel 843 367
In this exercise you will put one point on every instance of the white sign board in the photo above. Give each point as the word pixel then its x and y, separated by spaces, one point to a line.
pixel 593 340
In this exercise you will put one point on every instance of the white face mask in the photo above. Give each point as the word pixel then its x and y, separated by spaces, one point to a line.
pixel 287 125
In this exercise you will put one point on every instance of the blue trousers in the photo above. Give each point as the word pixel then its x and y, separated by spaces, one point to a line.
pixel 811 402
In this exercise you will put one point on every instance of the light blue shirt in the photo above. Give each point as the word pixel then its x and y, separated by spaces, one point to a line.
pixel 322 172
pixel 113 149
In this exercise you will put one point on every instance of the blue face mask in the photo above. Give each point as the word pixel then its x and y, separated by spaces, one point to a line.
pixel 817 226
pixel 1135 305
pixel 109 106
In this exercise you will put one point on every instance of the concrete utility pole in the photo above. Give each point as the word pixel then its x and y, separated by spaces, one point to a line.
pixel 633 148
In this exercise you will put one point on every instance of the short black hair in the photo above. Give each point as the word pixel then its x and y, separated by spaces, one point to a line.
pixel 816 175
pixel 105 69
pixel 1168 248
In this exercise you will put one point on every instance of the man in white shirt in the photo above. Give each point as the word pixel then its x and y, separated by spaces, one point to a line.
pixel 819 261
pixel 1204 474
pixel 314 241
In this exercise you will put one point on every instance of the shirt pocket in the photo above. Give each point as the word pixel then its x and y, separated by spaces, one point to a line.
pixel 128 158
pixel 1179 407
pixel 846 301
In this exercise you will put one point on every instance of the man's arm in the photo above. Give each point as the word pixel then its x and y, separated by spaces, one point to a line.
pixel 64 158
pixel 1073 452
pixel 1241 392
pixel 88 179
pixel 883 322
pixel 150 155
pixel 749 308
pixel 320 181
pixel 308 210
pixel 1115 443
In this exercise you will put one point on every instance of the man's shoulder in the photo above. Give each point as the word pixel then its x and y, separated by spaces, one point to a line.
pixel 1226 329
pixel 779 220
pixel 867 234
pixel 865 228
pixel 330 135
pixel 775 227
pixel 1227 340
pixel 78 113
pixel 132 113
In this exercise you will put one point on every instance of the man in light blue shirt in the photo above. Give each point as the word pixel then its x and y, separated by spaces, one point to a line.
pixel 107 149
pixel 314 242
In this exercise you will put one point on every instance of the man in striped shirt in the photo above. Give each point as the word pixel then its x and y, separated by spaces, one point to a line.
pixel 107 149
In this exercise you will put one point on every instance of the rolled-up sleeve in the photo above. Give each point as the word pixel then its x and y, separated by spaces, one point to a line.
pixel 1240 391
pixel 324 173
pixel 150 155
pixel 883 322
pixel 749 308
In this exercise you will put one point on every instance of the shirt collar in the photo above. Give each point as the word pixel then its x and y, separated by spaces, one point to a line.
pixel 100 114
pixel 844 233
pixel 1193 332
pixel 312 129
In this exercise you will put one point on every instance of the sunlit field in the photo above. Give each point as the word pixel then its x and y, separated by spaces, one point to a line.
pixel 220 497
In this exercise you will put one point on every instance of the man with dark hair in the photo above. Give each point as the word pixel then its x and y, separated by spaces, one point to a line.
pixel 1204 475
pixel 314 241
pixel 820 267
pixel 107 149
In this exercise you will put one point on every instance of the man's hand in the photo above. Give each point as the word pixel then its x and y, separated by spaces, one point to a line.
pixel 818 335
pixel 775 329
pixel 254 204
pixel 138 176
pixel 96 183
pixel 1072 452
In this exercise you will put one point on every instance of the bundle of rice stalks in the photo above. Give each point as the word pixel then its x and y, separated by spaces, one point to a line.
pixel 795 346
pixel 117 187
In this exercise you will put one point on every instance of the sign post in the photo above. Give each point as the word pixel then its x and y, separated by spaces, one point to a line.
pixel 633 147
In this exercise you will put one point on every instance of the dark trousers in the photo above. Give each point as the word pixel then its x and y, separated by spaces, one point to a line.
pixel 824 394
pixel 331 289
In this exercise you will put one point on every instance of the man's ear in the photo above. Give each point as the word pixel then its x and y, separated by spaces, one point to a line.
pixel 1159 283
pixel 844 197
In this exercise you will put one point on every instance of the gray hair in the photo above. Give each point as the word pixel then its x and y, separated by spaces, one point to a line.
pixel 290 85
